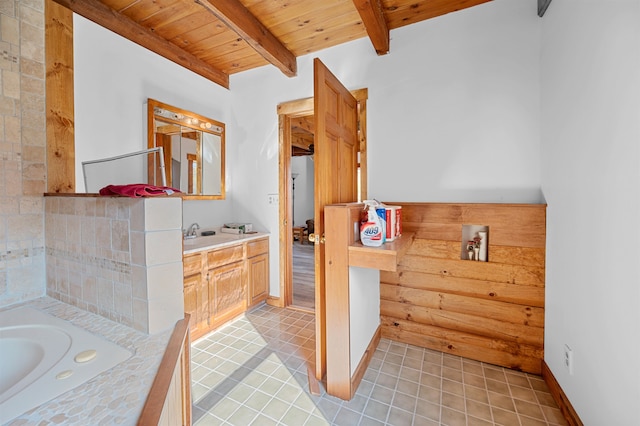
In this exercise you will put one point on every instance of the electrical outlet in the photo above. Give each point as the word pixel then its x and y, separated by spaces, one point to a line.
pixel 272 198
pixel 568 359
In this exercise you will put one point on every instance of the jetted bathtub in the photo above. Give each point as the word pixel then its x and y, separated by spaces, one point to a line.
pixel 42 356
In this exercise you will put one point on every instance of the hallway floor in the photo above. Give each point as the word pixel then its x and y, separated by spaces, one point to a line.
pixel 254 371
pixel 304 276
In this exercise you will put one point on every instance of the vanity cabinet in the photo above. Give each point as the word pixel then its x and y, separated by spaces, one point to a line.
pixel 221 283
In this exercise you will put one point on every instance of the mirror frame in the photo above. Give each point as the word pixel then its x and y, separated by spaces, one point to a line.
pixel 151 142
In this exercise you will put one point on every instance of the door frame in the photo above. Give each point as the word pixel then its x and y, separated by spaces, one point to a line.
pixel 286 112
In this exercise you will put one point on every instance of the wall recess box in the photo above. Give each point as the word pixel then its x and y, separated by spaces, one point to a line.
pixel 468 234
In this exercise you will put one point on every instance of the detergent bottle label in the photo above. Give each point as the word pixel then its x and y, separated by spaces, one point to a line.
pixel 371 231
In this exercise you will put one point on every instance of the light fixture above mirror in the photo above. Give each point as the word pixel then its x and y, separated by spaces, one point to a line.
pixel 194 150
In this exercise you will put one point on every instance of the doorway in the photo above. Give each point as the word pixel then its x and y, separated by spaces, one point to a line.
pixel 302 212
pixel 296 133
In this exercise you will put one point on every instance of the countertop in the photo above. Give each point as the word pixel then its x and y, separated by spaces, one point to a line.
pixel 220 240
pixel 115 396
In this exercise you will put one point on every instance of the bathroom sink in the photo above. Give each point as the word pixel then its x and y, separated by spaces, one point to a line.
pixel 210 240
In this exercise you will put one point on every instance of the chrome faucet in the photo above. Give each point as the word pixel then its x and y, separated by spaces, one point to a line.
pixel 191 232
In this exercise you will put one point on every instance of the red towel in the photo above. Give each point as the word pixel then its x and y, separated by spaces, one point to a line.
pixel 136 190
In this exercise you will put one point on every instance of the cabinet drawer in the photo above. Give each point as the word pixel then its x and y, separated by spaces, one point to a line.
pixel 224 256
pixel 255 248
pixel 191 264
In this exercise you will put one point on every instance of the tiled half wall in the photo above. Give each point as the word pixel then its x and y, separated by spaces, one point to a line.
pixel 118 257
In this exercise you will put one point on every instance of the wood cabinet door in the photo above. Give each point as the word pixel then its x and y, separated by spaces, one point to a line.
pixel 202 309
pixel 196 300
pixel 258 278
pixel 191 307
pixel 196 303
pixel 227 292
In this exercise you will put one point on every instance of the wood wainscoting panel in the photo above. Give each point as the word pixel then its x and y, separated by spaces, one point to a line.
pixel 488 311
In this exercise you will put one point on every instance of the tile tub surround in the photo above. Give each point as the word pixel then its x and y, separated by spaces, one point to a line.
pixel 118 257
pixel 22 151
pixel 115 396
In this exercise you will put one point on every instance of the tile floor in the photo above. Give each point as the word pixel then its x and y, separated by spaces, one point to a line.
pixel 253 371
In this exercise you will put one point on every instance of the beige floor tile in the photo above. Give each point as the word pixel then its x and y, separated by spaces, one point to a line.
pixel 478 410
pixel 455 402
pixel 545 398
pixel 428 410
pixel 243 416
pixel 407 387
pixel 501 401
pixel 430 394
pixel 317 421
pixel 494 373
pixel 474 380
pixel 225 408
pixel 528 409
pixel 518 380
pixel 275 409
pixel 398 416
pixel 346 417
pixel 294 417
pixel 476 394
pixel 524 394
pixel 452 387
pixel 376 410
pixel 497 386
pixel 258 400
pixel 451 417
pixel 405 402
pixel 254 371
pixel 505 418
pixel 474 421
pixel 553 415
pixel 527 421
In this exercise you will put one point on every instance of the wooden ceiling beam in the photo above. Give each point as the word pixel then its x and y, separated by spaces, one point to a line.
pixel 239 19
pixel 299 152
pixel 373 18
pixel 114 21
pixel 305 123
pixel 302 141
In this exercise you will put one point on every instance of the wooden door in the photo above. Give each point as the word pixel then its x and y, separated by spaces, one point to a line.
pixel 336 164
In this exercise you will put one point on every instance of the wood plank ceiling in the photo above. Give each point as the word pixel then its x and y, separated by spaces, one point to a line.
pixel 217 38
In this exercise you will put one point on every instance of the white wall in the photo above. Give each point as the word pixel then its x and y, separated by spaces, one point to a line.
pixel 453 112
pixel 591 171
pixel 113 79
pixel 304 191
pixel 364 309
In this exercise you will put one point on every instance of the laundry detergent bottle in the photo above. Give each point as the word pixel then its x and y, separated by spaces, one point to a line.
pixel 371 230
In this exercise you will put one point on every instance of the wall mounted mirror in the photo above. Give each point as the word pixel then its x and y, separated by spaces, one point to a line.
pixel 193 148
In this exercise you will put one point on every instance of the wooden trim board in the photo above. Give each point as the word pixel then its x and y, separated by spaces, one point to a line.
pixel 174 370
pixel 59 100
pixel 559 396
